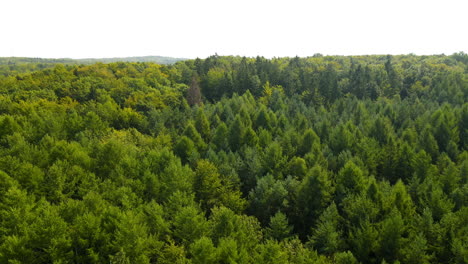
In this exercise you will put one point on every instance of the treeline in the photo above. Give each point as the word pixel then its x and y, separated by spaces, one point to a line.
pixel 288 160
pixel 18 65
pixel 323 80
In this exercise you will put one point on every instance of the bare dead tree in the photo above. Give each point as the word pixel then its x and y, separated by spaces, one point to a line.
pixel 194 93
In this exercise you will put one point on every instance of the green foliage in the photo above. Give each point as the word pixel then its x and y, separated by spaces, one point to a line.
pixel 212 191
pixel 189 225
pixel 324 159
pixel 415 251
pixel 327 236
pixel 236 134
pixel 314 195
pixel 263 119
pixel 191 133
pixel 345 258
pixel 220 137
pixel 297 167
pixel 350 180
pixel 268 197
pixel 310 142
pixel 185 149
pixel 279 227
pixel 203 251
pixel 202 125
pixel 207 184
pixel 390 239
pixel 273 159
pixel 363 242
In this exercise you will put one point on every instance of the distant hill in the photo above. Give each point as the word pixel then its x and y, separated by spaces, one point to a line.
pixel 25 60
pixel 155 59
pixel 16 65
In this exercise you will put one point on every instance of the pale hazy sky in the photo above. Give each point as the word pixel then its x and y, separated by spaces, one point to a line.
pixel 199 28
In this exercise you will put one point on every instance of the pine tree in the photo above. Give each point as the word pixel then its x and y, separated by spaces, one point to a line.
pixel 203 125
pixel 185 149
pixel 314 194
pixel 309 141
pixel 327 236
pixel 193 135
pixel 390 236
pixel 220 137
pixel 279 227
pixel 236 134
pixel 350 180
pixel 203 251
pixel 207 185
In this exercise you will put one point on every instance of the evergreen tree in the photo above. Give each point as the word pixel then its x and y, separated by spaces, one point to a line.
pixel 350 180
pixel 314 195
pixel 279 228
pixel 327 236
pixel 220 137
pixel 202 125
pixel 310 142
pixel 207 185
pixel 185 149
pixel 390 239
pixel 236 134
pixel 193 135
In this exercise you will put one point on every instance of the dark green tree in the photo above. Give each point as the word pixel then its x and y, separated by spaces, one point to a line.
pixel 236 134
pixel 327 235
pixel 279 227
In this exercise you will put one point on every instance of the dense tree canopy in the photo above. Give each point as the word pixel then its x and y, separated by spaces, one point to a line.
pixel 325 159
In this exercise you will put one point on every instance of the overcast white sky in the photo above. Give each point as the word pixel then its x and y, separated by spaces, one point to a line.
pixel 199 28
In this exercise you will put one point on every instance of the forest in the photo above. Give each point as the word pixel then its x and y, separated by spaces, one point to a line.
pixel 228 159
pixel 15 65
